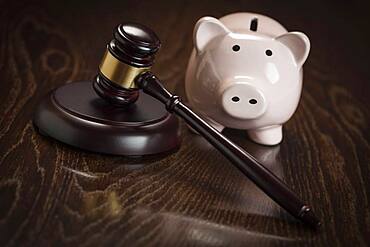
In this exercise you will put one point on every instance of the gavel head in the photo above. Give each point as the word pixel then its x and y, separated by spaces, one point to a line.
pixel 130 53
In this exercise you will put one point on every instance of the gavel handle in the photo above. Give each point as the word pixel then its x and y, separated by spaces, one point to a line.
pixel 245 162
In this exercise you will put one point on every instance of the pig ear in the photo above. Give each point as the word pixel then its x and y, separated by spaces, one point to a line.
pixel 205 30
pixel 299 45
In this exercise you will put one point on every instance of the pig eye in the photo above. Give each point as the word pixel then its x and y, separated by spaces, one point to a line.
pixel 235 99
pixel 268 53
pixel 236 48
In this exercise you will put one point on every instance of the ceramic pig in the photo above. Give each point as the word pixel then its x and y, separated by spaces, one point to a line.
pixel 245 72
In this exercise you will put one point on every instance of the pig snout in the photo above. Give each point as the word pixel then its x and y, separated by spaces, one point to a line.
pixel 243 101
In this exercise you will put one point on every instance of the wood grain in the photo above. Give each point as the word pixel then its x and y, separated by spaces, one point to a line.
pixel 55 195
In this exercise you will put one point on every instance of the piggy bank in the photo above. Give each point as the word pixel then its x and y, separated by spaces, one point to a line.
pixel 245 72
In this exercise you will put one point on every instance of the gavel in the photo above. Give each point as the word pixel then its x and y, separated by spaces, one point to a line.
pixel 125 70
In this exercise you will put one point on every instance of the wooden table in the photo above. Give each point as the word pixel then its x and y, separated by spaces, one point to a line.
pixel 55 195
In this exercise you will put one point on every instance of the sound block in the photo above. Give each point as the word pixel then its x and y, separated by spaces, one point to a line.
pixel 76 115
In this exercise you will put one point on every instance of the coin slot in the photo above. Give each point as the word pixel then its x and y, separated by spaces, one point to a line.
pixel 254 24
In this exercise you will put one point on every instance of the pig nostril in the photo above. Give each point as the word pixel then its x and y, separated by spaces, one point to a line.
pixel 252 101
pixel 268 53
pixel 235 99
pixel 236 48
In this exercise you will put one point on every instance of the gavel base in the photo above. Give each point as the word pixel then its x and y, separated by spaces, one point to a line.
pixel 75 115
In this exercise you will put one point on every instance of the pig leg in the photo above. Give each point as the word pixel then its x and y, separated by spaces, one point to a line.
pixel 211 122
pixel 271 135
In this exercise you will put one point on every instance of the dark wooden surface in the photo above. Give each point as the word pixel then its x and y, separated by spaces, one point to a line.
pixel 54 195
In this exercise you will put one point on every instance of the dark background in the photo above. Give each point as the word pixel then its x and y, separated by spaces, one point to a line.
pixel 52 194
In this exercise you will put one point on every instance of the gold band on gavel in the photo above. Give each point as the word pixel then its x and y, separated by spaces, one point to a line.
pixel 119 72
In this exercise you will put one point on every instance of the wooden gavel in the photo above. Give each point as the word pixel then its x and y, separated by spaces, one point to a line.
pixel 125 69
